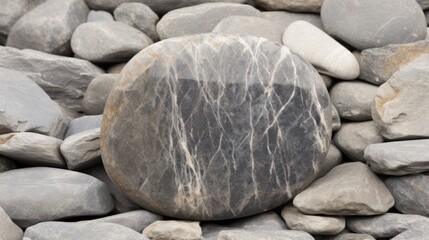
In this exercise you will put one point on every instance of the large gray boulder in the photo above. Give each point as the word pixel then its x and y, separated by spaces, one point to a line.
pixel 411 193
pixel 366 23
pixel 399 158
pixel 377 65
pixel 64 79
pixel 400 109
pixel 228 126
pixel 32 149
pixel 140 16
pixel 387 225
pixel 24 106
pixel 81 231
pixel 53 194
pixel 8 229
pixel 108 41
pixel 49 27
pixel 159 6
pixel 182 21
pixel 97 92
pixel 247 25
pixel 291 5
pixel 341 193
pixel 11 11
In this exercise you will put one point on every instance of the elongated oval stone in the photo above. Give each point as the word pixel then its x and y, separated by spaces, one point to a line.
pixel 215 126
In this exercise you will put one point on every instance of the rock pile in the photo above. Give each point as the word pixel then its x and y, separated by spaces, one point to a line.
pixel 217 120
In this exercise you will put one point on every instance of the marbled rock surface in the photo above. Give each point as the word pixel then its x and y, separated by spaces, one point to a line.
pixel 64 79
pixel 353 138
pixel 353 99
pixel 387 225
pixel 97 92
pixel 265 235
pixel 411 193
pixel 399 158
pixel 108 41
pixel 413 234
pixel 221 145
pixel 82 150
pixel 6 164
pixel 332 194
pixel 322 51
pixel 21 111
pixel 182 21
pixel 8 229
pixel 174 230
pixel 400 110
pixel 313 224
pixel 284 19
pixel 291 5
pixel 247 25
pixel 377 65
pixel 52 194
pixel 136 220
pixel 11 11
pixel 159 6
pixel 366 23
pixel 32 149
pixel 140 16
pixel 81 231
pixel 49 26
pixel 83 123
pixel 99 16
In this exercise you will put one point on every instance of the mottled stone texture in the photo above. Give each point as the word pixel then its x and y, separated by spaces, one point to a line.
pixel 215 126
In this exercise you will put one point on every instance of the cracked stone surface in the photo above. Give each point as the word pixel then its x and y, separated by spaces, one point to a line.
pixel 216 141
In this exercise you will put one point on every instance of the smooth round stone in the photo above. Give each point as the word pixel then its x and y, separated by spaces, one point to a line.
pixel 209 127
pixel 367 23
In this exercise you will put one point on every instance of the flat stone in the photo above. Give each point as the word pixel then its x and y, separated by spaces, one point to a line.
pixel 49 26
pixel 413 234
pixel 322 51
pixel 97 92
pixel 353 99
pixel 82 150
pixel 269 221
pixel 313 224
pixel 367 24
pixel 6 164
pixel 32 149
pixel 83 123
pixel 395 112
pixel 411 193
pixel 53 194
pixel 354 137
pixel 81 231
pixel 120 41
pixel 424 4
pixel 159 6
pixel 348 189
pixel 21 111
pixel 8 229
pixel 247 25
pixel 351 236
pixel 140 16
pixel 399 158
pixel 121 202
pixel 333 159
pixel 11 11
pixel 174 230
pixel 284 19
pixel 387 225
pixel 336 119
pixel 266 235
pixel 377 65
pixel 182 21
pixel 64 79
pixel 136 220
pixel 291 5
pixel 229 128
pixel 99 16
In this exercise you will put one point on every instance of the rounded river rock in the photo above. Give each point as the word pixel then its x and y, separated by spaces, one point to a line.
pixel 215 126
